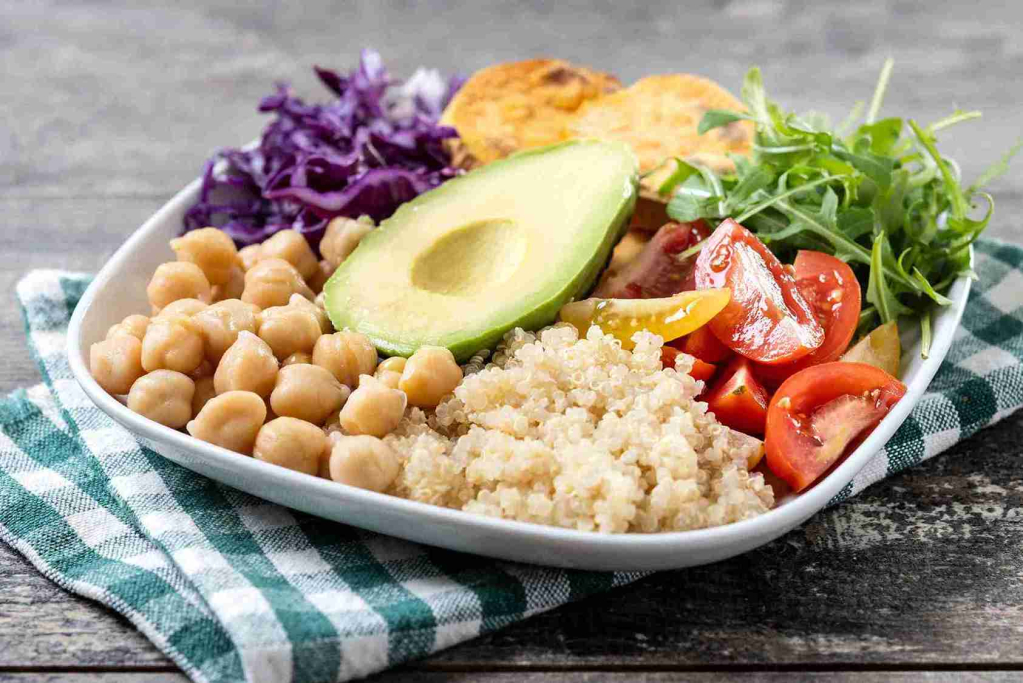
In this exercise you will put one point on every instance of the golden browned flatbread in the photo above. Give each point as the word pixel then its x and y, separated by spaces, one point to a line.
pixel 508 107
pixel 658 117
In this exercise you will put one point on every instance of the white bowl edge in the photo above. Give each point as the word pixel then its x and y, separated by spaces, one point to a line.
pixel 454 529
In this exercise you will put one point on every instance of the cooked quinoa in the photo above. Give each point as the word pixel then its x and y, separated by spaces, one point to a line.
pixel 582 434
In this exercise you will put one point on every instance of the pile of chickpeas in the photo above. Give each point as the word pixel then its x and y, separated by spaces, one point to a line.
pixel 240 353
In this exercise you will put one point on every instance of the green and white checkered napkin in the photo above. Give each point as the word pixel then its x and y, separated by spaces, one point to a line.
pixel 233 588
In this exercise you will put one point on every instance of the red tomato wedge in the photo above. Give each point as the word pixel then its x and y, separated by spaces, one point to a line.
pixel 668 356
pixel 831 289
pixel 767 319
pixel 819 413
pixel 738 400
pixel 656 271
pixel 700 370
pixel 702 344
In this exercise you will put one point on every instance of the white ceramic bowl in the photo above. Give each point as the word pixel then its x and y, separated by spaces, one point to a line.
pixel 119 290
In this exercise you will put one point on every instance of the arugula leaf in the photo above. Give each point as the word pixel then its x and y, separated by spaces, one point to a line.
pixel 879 89
pixel 776 199
pixel 856 222
pixel 876 167
pixel 955 193
pixel 690 206
pixel 878 293
pixel 881 198
pixel 716 118
pixel 754 98
pixel 883 136
pixel 683 171
pixel 997 169
pixel 955 117
pixel 758 178
pixel 925 334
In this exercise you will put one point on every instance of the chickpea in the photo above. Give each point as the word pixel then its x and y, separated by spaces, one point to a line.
pixel 373 408
pixel 300 358
pixel 341 238
pixel 307 392
pixel 291 443
pixel 321 301
pixel 389 378
pixel 177 280
pixel 289 329
pixel 326 327
pixel 430 375
pixel 221 323
pixel 323 468
pixel 323 272
pixel 232 420
pixel 365 462
pixel 347 355
pixel 389 371
pixel 248 365
pixel 393 364
pixel 185 307
pixel 210 249
pixel 271 282
pixel 116 363
pixel 249 255
pixel 172 343
pixel 233 288
pixel 133 325
pixel 291 246
pixel 204 391
pixel 163 396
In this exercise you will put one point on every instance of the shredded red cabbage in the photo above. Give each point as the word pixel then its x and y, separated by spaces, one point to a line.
pixel 375 147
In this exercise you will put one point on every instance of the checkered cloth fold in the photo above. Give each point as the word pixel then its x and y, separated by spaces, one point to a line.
pixel 233 588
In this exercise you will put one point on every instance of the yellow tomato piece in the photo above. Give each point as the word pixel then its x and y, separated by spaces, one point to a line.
pixel 671 317
pixel 881 348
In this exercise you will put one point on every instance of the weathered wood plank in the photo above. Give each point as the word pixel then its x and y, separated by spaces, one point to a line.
pixel 922 569
pixel 403 676
pixel 129 98
pixel 92 677
pixel 69 233
pixel 117 104
pixel 42 625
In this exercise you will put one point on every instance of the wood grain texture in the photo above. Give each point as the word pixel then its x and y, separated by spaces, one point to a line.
pixel 109 107
pixel 571 677
pixel 920 570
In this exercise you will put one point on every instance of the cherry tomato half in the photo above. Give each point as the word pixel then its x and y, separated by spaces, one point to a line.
pixel 738 400
pixel 656 272
pixel 700 371
pixel 829 286
pixel 767 320
pixel 818 413
pixel 704 345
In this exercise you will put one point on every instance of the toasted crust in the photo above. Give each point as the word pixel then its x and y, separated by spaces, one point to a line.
pixel 658 116
pixel 508 107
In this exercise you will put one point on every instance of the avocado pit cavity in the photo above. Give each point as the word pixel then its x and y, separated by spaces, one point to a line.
pixel 477 256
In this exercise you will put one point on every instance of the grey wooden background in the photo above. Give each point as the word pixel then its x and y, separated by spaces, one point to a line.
pixel 107 108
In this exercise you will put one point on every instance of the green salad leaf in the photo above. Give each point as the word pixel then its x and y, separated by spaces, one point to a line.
pixel 875 192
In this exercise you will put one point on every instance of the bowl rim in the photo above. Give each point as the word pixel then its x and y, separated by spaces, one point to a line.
pixel 767 525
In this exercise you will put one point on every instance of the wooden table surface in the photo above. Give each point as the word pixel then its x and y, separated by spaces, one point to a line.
pixel 107 108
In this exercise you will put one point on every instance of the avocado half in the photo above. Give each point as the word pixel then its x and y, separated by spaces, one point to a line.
pixel 503 246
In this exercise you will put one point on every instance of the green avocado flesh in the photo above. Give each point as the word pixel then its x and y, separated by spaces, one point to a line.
pixel 503 246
